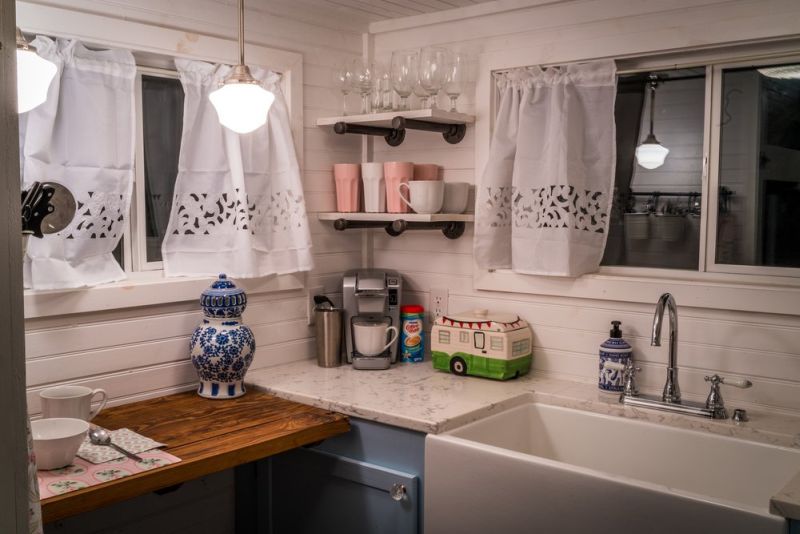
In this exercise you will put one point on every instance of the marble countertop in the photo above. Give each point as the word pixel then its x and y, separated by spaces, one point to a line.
pixel 417 397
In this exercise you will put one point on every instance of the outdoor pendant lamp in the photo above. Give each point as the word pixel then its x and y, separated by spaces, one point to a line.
pixel 241 103
pixel 651 154
pixel 34 74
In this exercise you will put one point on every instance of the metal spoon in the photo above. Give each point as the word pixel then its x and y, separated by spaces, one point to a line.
pixel 99 436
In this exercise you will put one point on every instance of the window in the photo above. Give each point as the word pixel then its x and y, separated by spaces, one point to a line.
pixel 480 340
pixel 521 347
pixel 463 337
pixel 444 337
pixel 759 167
pixel 159 117
pixel 655 217
pixel 496 342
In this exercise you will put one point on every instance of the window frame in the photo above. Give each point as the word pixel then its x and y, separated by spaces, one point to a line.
pixel 482 338
pixel 765 289
pixel 158 50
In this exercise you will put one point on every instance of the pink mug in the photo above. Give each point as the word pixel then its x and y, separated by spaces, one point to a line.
pixel 426 171
pixel 348 185
pixel 396 173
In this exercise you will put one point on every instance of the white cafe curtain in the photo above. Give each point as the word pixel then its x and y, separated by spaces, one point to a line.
pixel 544 198
pixel 238 205
pixel 82 137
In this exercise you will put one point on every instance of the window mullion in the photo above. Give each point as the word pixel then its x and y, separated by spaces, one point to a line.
pixel 709 179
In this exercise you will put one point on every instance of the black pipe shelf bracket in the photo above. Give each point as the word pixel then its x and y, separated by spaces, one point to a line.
pixel 452 225
pixel 392 125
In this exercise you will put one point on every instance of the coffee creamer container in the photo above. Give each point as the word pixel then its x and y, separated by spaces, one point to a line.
pixel 615 349
pixel 412 333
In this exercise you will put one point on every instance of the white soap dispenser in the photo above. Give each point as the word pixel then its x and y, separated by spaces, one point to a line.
pixel 615 349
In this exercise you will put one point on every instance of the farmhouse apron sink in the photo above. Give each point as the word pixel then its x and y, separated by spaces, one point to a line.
pixel 540 468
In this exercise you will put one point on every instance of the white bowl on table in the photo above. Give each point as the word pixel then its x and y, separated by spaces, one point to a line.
pixel 56 441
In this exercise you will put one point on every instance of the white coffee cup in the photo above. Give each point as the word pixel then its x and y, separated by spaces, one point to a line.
pixel 374 187
pixel 456 197
pixel 425 196
pixel 71 401
pixel 370 337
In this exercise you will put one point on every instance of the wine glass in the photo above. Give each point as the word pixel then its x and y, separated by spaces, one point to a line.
pixel 363 72
pixel 405 68
pixel 422 95
pixel 455 79
pixel 434 64
pixel 343 79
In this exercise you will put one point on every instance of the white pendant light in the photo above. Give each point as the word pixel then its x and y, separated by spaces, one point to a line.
pixel 651 154
pixel 241 103
pixel 34 74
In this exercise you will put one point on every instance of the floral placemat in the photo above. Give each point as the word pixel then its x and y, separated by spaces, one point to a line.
pixel 125 438
pixel 82 474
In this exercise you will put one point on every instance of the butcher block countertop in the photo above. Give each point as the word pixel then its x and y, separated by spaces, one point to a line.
pixel 207 435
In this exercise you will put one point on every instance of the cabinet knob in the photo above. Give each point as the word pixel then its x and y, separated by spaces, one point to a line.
pixel 398 492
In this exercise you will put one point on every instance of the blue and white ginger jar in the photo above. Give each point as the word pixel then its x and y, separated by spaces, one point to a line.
pixel 222 348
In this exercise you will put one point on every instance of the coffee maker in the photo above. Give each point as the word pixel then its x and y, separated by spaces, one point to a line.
pixel 371 295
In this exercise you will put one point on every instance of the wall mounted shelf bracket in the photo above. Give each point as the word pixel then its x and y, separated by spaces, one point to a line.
pixel 393 136
pixel 450 229
pixel 452 133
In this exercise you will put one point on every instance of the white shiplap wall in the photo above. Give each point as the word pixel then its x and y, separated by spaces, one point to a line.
pixel 764 347
pixel 140 352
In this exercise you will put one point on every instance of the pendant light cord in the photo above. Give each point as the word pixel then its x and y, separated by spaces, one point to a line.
pixel 241 32
pixel 653 83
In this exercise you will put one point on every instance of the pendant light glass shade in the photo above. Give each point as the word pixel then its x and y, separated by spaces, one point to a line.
pixel 651 154
pixel 34 75
pixel 241 103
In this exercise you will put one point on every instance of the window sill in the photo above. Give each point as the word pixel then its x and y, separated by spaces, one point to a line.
pixel 141 289
pixel 748 293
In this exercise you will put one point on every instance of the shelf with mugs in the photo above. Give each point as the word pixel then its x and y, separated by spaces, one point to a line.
pixel 452 225
pixel 392 125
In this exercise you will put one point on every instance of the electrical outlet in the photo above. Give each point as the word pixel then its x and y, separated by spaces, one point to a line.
pixel 317 290
pixel 438 302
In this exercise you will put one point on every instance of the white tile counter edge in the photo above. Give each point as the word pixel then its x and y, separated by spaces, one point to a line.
pixel 417 397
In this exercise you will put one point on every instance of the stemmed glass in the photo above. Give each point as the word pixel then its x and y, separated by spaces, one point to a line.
pixel 434 64
pixel 363 73
pixel 455 79
pixel 405 69
pixel 343 79
pixel 422 95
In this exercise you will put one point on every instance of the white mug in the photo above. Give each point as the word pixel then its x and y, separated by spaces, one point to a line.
pixel 71 401
pixel 425 196
pixel 374 187
pixel 370 337
pixel 456 197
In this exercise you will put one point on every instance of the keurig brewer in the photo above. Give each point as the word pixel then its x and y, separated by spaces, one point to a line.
pixel 371 317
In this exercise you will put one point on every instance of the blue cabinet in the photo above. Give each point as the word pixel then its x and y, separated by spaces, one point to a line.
pixel 345 484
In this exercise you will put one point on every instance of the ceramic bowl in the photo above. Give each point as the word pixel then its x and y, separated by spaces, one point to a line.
pixel 56 441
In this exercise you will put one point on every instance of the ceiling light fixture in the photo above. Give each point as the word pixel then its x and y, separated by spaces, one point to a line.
pixel 651 154
pixel 241 103
pixel 34 74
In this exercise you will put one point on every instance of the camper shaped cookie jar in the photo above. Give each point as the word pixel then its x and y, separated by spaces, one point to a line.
pixel 222 348
pixel 482 343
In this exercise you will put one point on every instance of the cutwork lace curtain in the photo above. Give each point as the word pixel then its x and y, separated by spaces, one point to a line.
pixel 544 198
pixel 83 138
pixel 238 206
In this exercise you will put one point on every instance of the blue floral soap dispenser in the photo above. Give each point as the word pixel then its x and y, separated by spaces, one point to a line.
pixel 615 349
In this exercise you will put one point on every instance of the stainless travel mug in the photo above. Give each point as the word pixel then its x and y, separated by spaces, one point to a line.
pixel 329 336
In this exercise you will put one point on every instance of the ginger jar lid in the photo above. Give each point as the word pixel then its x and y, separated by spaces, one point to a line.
pixel 223 299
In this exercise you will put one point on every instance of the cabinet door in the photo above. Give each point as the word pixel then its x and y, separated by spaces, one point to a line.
pixel 318 492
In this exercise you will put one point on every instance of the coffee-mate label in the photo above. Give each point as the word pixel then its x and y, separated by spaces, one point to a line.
pixel 412 345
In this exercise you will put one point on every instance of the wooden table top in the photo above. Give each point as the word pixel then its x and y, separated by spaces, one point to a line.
pixel 207 435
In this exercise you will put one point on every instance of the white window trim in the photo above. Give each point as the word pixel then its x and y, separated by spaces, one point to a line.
pixel 736 289
pixel 157 46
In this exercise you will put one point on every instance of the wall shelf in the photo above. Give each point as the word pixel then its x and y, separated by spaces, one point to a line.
pixel 452 225
pixel 392 125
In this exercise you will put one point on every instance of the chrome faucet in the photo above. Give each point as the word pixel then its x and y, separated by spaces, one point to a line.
pixel 672 391
pixel 670 400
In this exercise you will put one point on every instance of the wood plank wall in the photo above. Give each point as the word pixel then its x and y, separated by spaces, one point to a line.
pixel 142 352
pixel 764 347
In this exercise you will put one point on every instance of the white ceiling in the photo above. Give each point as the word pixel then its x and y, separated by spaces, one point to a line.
pixel 352 14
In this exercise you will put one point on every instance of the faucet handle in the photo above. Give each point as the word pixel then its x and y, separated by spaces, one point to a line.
pixel 714 400
pixel 742 383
